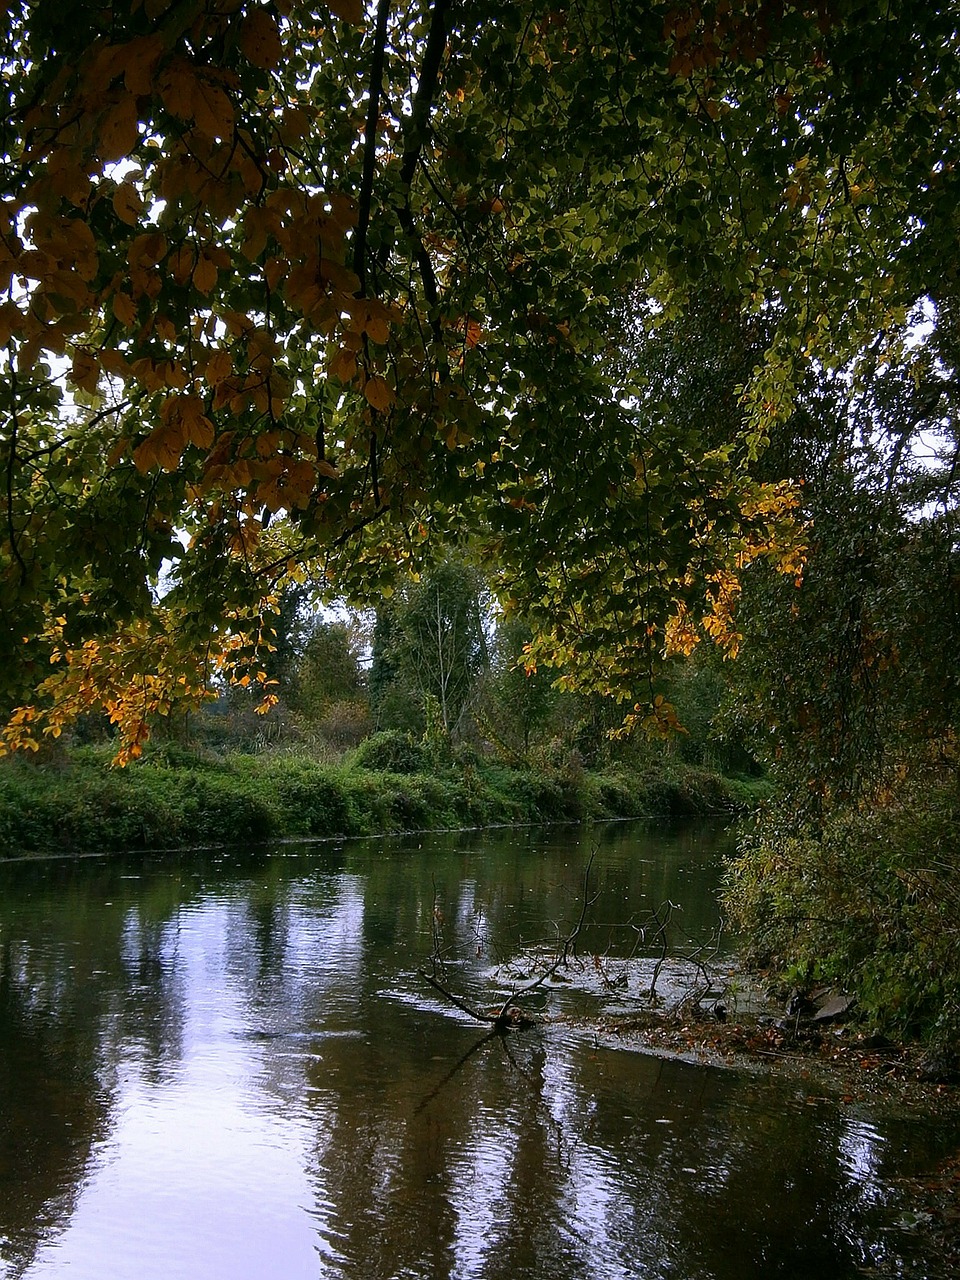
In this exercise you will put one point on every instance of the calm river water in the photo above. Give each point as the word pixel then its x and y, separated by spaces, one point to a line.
pixel 227 1066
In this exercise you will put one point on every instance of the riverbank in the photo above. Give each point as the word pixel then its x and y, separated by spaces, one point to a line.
pixel 77 801
pixel 844 1065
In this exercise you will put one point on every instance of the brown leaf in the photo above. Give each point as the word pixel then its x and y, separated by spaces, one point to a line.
pixel 260 40
pixel 139 61
pixel 349 10
pixel 379 393
pixel 85 372
pixel 181 263
pixel 128 204
pixel 125 309
pixel 177 84
pixel 119 130
pixel 219 368
pixel 205 275
pixel 212 110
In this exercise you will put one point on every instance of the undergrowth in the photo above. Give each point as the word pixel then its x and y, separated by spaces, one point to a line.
pixel 77 801
pixel 871 903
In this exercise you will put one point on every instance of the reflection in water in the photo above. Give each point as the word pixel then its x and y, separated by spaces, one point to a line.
pixel 227 1066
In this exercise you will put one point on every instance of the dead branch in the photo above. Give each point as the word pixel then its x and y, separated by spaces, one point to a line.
pixel 507 1014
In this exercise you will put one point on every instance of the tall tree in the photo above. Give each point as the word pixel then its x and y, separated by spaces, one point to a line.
pixel 328 671
pixel 430 644
pixel 327 280
pixel 848 684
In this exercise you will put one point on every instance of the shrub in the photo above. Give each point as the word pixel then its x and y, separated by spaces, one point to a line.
pixel 310 798
pixel 390 751
pixel 872 903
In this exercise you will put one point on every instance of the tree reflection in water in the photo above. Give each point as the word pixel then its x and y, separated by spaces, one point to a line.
pixel 227 1065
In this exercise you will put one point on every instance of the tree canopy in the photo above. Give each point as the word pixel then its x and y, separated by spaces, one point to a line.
pixel 303 287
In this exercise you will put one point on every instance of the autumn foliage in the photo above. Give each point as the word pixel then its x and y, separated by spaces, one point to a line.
pixel 300 288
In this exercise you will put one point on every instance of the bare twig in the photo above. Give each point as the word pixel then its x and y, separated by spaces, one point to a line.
pixel 507 1014
pixel 668 908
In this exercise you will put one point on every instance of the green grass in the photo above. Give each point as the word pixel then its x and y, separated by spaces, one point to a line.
pixel 79 802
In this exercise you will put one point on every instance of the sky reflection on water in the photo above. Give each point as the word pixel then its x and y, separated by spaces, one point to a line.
pixel 233 1069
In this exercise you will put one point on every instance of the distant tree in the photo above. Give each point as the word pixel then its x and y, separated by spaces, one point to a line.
pixel 291 626
pixel 393 702
pixel 429 643
pixel 445 649
pixel 517 705
pixel 328 671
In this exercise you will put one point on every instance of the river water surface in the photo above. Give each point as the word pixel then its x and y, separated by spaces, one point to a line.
pixel 229 1066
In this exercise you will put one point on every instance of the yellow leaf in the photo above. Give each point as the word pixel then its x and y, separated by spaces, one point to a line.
pixel 377 329
pixel 128 204
pixel 173 374
pixel 298 484
pixel 198 428
pixel 343 366
pixel 119 130
pixel 260 40
pixel 379 393
pixel 162 447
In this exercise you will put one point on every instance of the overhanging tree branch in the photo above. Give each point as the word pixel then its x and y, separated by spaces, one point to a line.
pixel 370 145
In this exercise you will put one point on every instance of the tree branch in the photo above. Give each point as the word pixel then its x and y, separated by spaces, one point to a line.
pixel 370 146
pixel 506 1015
pixel 11 467
pixel 415 136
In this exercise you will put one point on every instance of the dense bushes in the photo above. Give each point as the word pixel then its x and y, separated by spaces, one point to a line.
pixel 872 903
pixel 171 798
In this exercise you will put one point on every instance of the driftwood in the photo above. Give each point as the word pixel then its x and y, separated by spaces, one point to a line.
pixel 651 933
pixel 508 1015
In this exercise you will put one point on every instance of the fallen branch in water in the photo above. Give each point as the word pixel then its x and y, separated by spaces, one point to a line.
pixel 508 1014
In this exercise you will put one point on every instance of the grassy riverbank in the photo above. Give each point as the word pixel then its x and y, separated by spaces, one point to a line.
pixel 174 799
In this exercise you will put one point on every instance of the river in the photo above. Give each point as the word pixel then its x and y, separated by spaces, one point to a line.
pixel 228 1065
